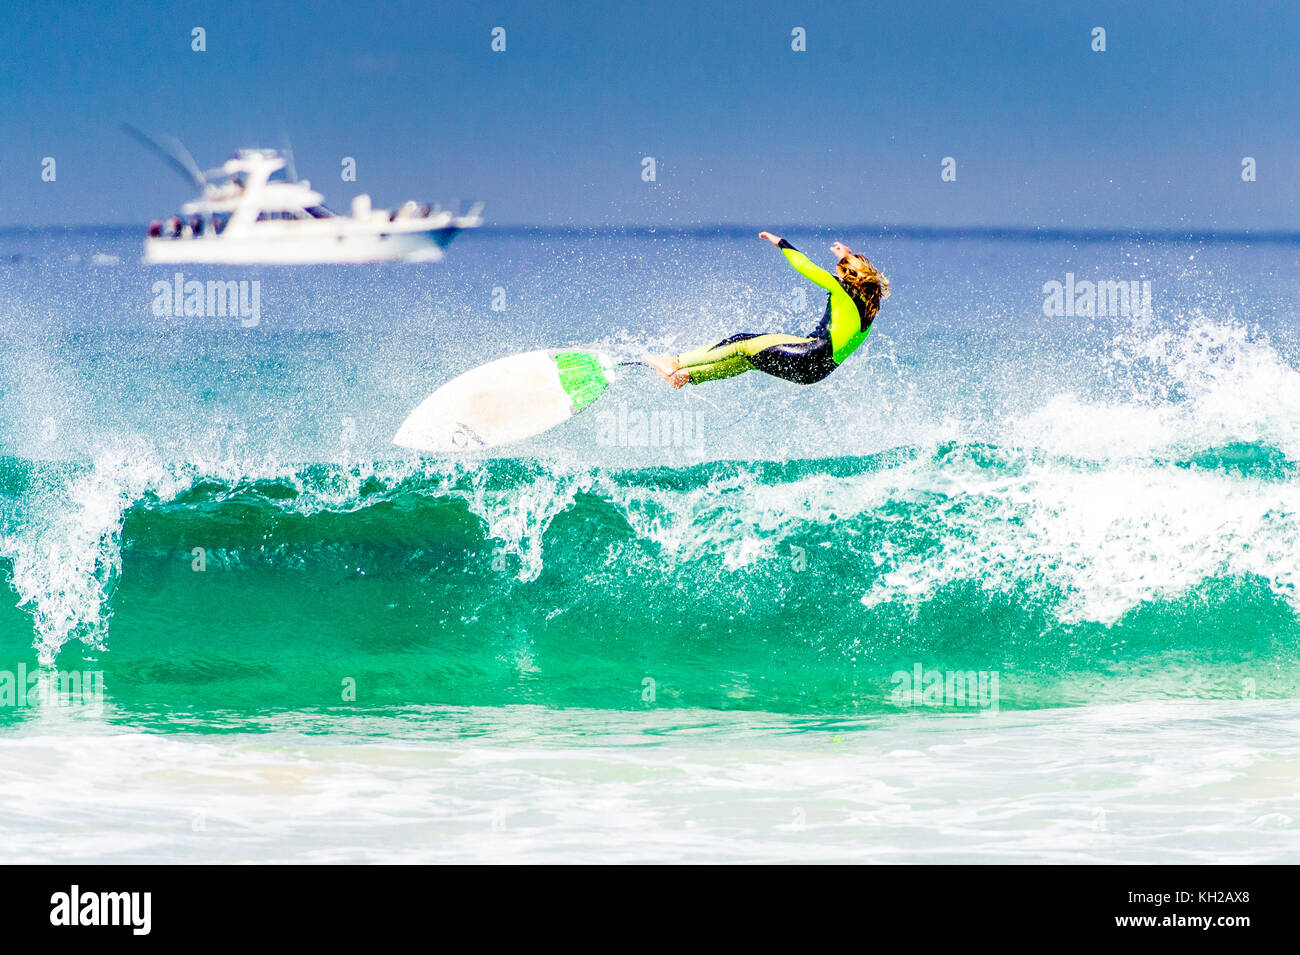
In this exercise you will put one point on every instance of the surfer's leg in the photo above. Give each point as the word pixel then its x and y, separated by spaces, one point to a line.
pixel 729 357
pixel 721 360
pixel 726 367
pixel 718 351
pixel 804 361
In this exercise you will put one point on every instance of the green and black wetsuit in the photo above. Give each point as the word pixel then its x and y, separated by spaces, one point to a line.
pixel 806 359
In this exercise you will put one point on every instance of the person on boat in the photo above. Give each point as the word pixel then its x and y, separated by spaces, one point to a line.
pixel 853 298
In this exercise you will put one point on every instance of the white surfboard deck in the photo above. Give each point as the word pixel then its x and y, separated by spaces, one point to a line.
pixel 504 401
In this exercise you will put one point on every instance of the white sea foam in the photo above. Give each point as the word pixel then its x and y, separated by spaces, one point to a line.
pixel 68 555
pixel 1124 525
pixel 1210 384
pixel 1105 540
pixel 1170 782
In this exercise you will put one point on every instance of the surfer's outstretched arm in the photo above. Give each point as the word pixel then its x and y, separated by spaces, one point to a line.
pixel 843 318
pixel 804 265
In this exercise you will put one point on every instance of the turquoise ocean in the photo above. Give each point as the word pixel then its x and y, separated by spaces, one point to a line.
pixel 1009 586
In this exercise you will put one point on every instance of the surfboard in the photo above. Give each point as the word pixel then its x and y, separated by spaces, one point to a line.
pixel 506 400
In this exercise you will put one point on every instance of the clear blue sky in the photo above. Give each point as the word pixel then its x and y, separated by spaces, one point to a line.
pixel 1045 132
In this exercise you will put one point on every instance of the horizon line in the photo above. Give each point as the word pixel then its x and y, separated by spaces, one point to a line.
pixel 731 229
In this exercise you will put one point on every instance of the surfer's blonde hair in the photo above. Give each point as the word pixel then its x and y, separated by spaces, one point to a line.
pixel 865 283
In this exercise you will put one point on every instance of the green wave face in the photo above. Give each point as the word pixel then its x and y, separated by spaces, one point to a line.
pixel 857 585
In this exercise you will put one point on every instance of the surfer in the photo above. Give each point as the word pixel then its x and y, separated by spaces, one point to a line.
pixel 853 298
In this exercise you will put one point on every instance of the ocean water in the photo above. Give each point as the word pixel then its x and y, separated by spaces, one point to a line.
pixel 1009 586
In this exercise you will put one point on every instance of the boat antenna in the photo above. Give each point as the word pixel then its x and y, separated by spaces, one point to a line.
pixel 173 153
pixel 290 168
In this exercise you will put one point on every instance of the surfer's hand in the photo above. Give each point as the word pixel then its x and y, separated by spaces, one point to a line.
pixel 774 239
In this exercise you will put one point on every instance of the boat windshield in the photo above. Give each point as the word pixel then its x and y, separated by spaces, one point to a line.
pixel 321 212
pixel 281 214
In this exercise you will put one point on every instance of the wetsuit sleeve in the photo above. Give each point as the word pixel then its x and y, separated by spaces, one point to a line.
pixel 804 266
pixel 845 326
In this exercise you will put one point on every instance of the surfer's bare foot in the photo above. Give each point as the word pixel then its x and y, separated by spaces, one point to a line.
pixel 679 378
pixel 666 365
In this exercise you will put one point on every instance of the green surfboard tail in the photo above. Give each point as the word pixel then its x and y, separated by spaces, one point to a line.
pixel 581 375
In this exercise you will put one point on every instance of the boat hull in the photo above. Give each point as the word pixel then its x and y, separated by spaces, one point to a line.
pixel 336 249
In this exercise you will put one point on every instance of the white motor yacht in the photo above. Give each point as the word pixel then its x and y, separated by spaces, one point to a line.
pixel 254 214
